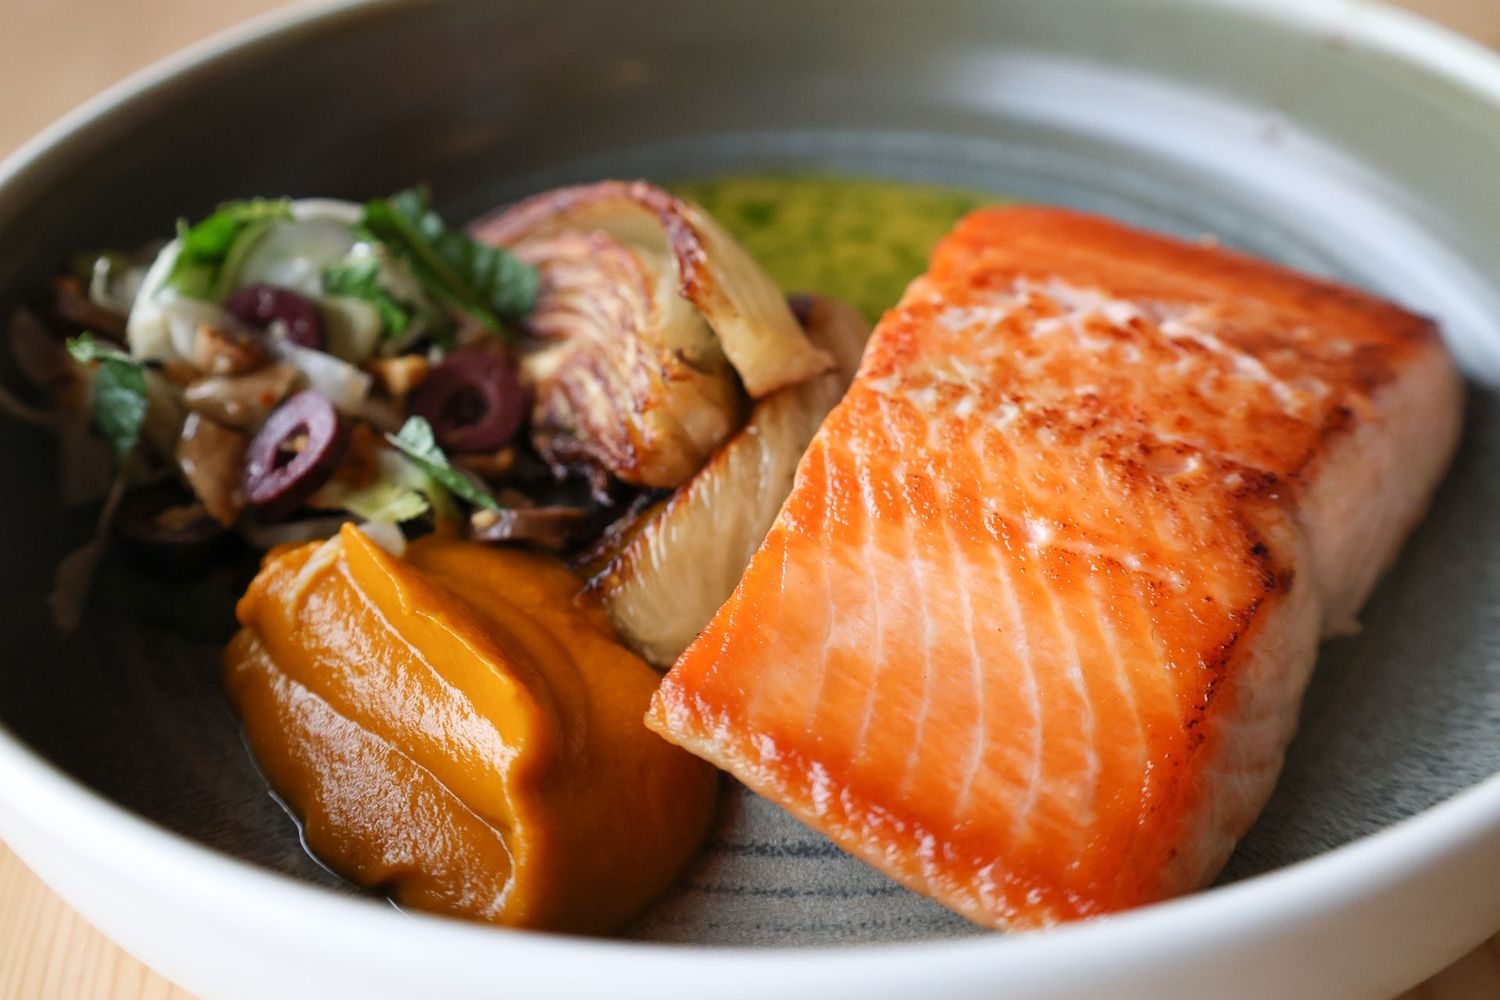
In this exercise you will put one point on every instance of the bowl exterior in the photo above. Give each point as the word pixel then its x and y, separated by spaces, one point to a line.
pixel 1337 136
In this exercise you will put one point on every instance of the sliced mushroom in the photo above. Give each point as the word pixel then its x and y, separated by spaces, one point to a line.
pixel 679 561
pixel 552 528
pixel 211 457
pixel 646 312
pixel 71 301
pixel 241 401
pixel 163 528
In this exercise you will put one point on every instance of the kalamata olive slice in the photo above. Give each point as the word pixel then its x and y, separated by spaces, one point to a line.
pixel 294 453
pixel 262 305
pixel 163 528
pixel 474 401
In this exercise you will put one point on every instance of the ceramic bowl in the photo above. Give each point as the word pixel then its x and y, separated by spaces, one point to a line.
pixel 1339 137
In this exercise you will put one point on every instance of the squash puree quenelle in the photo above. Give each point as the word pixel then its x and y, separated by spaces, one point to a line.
pixel 455 731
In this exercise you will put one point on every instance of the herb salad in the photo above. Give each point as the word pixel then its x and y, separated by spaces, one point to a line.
pixel 278 367
pixel 547 376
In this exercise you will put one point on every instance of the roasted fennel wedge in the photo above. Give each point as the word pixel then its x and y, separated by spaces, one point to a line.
pixel 683 558
pixel 649 320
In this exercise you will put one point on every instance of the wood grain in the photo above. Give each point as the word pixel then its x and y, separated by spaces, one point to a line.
pixel 49 952
pixel 70 49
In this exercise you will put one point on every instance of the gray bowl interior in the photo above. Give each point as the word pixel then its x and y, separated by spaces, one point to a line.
pixel 1304 146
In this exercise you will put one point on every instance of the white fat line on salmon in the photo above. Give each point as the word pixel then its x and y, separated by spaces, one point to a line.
pixel 1080 302
pixel 956 319
pixel 931 386
pixel 917 578
pixel 1042 533
pixel 1083 307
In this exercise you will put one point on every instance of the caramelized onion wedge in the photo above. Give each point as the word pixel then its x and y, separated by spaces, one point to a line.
pixel 674 571
pixel 724 284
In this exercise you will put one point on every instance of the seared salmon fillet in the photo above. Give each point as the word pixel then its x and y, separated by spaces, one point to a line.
pixel 1031 631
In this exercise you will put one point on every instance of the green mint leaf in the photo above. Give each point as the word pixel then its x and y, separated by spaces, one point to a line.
pixel 488 283
pixel 415 440
pixel 207 250
pixel 119 392
pixel 361 280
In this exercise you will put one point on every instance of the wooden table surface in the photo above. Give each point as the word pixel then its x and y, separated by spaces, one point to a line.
pixel 68 50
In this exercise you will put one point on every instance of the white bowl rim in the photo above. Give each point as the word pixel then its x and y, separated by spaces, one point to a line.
pixel 180 867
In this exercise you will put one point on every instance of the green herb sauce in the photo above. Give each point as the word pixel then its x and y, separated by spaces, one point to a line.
pixel 859 240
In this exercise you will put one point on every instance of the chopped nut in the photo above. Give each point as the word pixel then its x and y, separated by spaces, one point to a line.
pixel 398 376
pixel 221 351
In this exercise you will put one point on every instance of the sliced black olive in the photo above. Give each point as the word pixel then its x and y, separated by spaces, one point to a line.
pixel 474 401
pixel 295 453
pixel 262 305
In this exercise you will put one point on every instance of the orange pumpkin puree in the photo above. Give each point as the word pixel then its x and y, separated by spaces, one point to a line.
pixel 454 731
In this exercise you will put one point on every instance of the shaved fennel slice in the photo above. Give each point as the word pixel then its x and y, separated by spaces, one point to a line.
pixel 387 536
pixel 673 572
pixel 294 254
pixel 344 385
